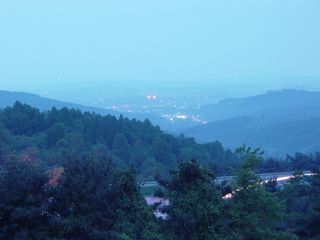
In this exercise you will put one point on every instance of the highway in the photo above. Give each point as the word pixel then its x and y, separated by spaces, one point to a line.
pixel 280 176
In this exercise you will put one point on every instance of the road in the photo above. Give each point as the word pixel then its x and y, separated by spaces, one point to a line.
pixel 281 176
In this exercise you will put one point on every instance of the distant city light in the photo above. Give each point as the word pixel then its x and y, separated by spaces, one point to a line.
pixel 151 97
pixel 182 117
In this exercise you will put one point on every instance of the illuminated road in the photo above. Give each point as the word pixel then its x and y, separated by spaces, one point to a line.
pixel 280 176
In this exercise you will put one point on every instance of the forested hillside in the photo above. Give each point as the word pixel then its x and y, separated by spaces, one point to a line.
pixel 8 98
pixel 54 136
pixel 280 122
pixel 65 174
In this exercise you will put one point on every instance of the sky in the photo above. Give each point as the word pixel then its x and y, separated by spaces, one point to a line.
pixel 54 42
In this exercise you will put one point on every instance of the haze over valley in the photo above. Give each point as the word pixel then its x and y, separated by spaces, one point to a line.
pixel 281 122
pixel 159 120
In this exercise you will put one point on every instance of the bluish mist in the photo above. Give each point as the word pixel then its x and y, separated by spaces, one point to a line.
pixel 46 43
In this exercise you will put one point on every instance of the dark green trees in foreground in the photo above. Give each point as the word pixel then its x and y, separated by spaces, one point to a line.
pixel 23 201
pixel 90 201
pixel 198 212
pixel 196 206
pixel 253 211
pixel 95 202
pixel 302 201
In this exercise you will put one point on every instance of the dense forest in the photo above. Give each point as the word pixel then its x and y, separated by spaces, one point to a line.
pixel 70 175
pixel 54 136
pixel 90 199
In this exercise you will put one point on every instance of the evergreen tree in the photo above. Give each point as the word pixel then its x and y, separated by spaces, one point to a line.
pixel 138 154
pixel 81 204
pixel 254 212
pixel 93 202
pixel 195 211
pixel 23 201
pixel 296 196
pixel 162 152
pixel 314 217
pixel 133 218
pixel 121 147
pixel 55 133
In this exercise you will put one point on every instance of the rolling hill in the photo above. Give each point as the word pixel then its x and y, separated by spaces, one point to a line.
pixel 280 122
pixel 8 98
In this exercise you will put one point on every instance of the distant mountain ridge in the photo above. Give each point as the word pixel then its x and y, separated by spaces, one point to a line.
pixel 294 102
pixel 8 98
pixel 281 122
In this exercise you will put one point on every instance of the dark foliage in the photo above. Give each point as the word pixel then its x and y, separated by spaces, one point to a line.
pixel 57 135
pixel 71 175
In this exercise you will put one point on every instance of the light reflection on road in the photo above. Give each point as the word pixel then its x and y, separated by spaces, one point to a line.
pixel 278 179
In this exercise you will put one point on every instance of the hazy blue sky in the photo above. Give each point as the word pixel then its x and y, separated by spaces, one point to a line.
pixel 53 41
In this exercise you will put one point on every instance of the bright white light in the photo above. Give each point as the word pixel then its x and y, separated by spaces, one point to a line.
pixel 182 117
pixel 151 97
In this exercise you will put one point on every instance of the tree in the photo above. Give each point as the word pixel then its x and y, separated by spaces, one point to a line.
pixel 58 134
pixel 151 168
pixel 296 197
pixel 121 147
pixel 314 217
pixel 81 200
pixel 23 201
pixel 23 119
pixel 55 133
pixel 162 152
pixel 94 202
pixel 254 212
pixel 134 218
pixel 5 140
pixel 195 210
pixel 138 154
